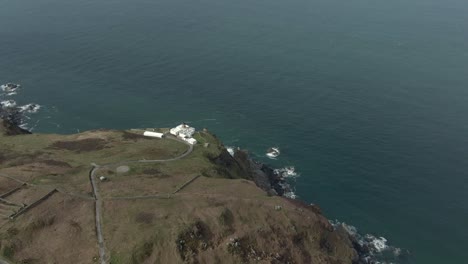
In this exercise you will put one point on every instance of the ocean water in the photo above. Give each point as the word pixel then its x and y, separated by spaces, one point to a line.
pixel 367 99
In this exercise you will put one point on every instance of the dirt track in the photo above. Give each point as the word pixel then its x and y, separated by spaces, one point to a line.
pixel 97 196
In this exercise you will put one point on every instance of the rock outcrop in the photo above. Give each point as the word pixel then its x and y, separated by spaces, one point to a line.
pixel 9 128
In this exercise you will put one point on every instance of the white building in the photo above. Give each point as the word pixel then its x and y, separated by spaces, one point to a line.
pixel 153 134
pixel 191 141
pixel 184 132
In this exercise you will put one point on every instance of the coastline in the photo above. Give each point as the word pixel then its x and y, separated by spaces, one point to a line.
pixel 367 248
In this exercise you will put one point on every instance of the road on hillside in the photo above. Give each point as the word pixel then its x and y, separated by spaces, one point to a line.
pixel 97 196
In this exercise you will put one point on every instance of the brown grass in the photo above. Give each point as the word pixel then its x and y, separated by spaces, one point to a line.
pixel 134 137
pixel 17 159
pixel 7 185
pixel 304 205
pixel 59 230
pixel 193 239
pixel 83 145
pixel 144 218
pixel 2 157
pixel 56 163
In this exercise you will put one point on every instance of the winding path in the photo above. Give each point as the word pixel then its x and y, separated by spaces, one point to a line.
pixel 97 196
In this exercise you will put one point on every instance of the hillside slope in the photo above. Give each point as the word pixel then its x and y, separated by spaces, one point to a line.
pixel 162 202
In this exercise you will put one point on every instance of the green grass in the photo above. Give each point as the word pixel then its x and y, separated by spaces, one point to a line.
pixel 116 148
pixel 142 252
pixel 8 252
pixel 116 259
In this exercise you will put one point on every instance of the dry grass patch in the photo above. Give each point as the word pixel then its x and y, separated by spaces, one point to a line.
pixel 83 145
pixel 7 185
pixel 59 224
pixel 133 136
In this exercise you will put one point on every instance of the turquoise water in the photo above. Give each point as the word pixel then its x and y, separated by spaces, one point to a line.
pixel 368 99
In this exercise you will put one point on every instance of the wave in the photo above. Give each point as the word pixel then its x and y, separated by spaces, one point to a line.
pixel 30 108
pixel 371 248
pixel 273 152
pixel 8 104
pixel 10 110
pixel 286 172
pixel 231 150
pixel 9 89
pixel 286 180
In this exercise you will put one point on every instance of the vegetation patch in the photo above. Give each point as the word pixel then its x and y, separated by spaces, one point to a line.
pixel 226 218
pixel 39 224
pixel 303 205
pixel 3 157
pixel 151 171
pixel 75 226
pixel 144 218
pixel 298 241
pixel 134 137
pixel 30 261
pixel 83 145
pixel 243 247
pixel 12 232
pixel 8 251
pixel 142 252
pixel 193 239
pixel 18 159
pixel 155 173
pixel 56 163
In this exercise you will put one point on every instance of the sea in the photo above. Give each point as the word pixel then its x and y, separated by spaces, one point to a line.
pixel 367 99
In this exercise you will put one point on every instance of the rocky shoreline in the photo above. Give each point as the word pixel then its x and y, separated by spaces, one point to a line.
pixel 369 249
pixel 264 176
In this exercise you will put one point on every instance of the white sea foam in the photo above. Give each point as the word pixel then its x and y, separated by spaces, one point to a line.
pixel 230 150
pixel 8 104
pixel 273 152
pixel 287 172
pixel 9 89
pixel 11 108
pixel 291 195
pixel 376 248
pixel 30 108
pixel 378 243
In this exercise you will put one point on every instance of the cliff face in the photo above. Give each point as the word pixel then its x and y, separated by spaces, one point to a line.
pixel 200 206
pixel 10 129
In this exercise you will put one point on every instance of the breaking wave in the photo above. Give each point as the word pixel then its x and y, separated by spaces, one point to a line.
pixel 10 110
pixel 286 172
pixel 273 152
pixel 372 249
pixel 231 150
pixel 8 103
pixel 30 108
pixel 9 89
pixel 286 179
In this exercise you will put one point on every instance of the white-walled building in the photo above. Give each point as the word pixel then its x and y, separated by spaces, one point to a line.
pixel 184 132
pixel 191 141
pixel 153 134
